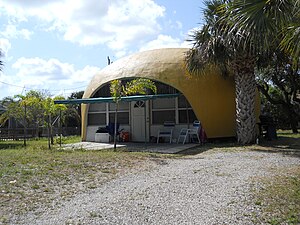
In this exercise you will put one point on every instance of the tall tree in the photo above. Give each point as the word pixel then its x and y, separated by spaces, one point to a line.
pixel 237 36
pixel 50 111
pixel 15 108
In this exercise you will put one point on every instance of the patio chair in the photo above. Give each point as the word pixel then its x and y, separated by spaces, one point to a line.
pixel 195 130
pixel 166 131
pixel 191 133
pixel 182 135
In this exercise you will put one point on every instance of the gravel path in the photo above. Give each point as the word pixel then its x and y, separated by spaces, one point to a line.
pixel 209 188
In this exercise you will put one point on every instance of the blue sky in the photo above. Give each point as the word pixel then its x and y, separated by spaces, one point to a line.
pixel 59 45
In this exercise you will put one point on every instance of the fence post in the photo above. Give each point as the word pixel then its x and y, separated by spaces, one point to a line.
pixel 25 124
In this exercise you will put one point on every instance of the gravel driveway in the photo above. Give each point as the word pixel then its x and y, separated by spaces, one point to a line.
pixel 209 188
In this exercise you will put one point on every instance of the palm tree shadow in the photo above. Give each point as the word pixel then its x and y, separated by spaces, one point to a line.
pixel 283 144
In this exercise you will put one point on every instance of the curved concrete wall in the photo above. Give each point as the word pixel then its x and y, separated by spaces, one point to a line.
pixel 211 96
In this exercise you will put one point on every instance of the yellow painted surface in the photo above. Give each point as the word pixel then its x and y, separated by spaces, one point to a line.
pixel 211 96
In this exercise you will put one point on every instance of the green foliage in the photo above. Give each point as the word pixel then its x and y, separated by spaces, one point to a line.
pixel 72 115
pixel 16 105
pixel 34 109
pixel 210 48
pixel 279 82
pixel 245 27
pixel 136 86
pixel 116 89
pixel 51 108
pixel 139 86
pixel 76 95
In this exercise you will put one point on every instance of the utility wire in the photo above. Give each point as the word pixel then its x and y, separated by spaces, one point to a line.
pixel 11 84
pixel 24 88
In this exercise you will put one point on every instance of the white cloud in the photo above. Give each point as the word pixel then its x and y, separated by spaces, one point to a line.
pixel 165 41
pixel 11 31
pixel 5 45
pixel 52 75
pixel 117 23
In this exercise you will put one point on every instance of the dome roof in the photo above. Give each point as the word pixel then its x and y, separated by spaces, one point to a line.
pixel 165 65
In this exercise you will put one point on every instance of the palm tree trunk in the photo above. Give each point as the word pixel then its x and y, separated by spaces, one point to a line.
pixel 245 100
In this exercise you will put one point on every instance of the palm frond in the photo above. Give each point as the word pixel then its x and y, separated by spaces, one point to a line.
pixel 208 43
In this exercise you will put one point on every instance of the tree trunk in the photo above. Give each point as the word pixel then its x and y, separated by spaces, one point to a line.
pixel 115 128
pixel 49 122
pixel 294 124
pixel 293 119
pixel 25 125
pixel 245 101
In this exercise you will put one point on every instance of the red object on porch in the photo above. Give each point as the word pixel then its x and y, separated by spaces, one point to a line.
pixel 124 135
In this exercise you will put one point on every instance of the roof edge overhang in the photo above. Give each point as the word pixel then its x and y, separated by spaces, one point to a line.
pixel 111 99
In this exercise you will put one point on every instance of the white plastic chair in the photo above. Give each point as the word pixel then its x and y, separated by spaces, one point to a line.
pixel 182 135
pixel 184 132
pixel 167 131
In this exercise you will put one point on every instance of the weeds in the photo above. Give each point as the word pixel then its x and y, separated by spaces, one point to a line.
pixel 280 199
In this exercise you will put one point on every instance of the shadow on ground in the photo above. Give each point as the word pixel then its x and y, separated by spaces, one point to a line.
pixel 208 146
pixel 283 144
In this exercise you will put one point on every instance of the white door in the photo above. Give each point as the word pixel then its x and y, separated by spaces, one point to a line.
pixel 138 121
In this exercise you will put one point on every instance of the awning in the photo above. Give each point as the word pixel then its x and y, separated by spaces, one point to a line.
pixel 110 99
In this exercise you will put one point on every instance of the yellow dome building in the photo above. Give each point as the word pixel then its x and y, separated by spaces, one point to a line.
pixel 209 98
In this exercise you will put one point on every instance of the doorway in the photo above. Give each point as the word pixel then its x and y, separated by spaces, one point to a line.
pixel 138 121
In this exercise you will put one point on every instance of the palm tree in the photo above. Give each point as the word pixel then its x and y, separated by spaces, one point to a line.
pixel 236 36
pixel 266 25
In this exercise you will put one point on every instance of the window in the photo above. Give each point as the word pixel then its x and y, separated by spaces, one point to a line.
pixel 123 117
pixel 163 103
pixel 99 107
pixel 159 117
pixel 122 106
pixel 185 111
pixel 186 116
pixel 96 119
pixel 163 109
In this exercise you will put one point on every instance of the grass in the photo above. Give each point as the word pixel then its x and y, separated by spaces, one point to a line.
pixel 279 200
pixel 35 176
pixel 287 133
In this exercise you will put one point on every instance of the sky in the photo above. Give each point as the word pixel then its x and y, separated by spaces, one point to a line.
pixel 59 45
